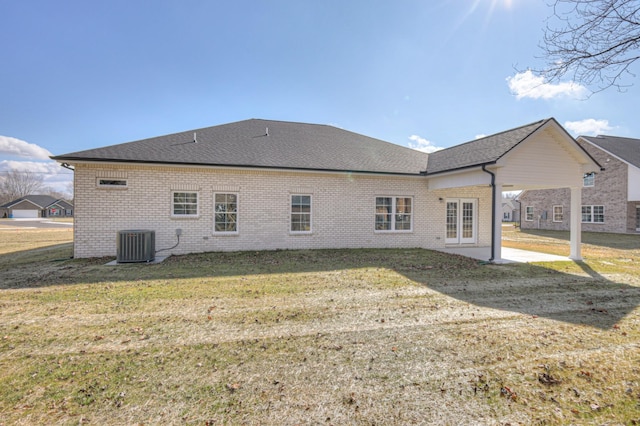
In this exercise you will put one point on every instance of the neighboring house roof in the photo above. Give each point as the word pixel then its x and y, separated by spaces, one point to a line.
pixel 40 201
pixel 482 151
pixel 627 149
pixel 508 202
pixel 265 144
pixel 62 204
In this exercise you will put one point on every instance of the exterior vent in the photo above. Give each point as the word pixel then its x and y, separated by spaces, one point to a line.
pixel 136 246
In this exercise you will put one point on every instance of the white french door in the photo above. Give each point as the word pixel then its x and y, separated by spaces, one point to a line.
pixel 461 221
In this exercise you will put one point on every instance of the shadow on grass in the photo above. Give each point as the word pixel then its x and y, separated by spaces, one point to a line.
pixel 602 239
pixel 527 289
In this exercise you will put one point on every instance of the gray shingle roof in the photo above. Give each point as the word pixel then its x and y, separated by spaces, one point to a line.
pixel 41 201
pixel 486 150
pixel 627 149
pixel 246 144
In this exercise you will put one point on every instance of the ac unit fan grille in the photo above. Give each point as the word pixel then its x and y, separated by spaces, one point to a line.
pixel 136 246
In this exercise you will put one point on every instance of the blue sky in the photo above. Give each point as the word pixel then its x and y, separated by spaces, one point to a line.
pixel 425 74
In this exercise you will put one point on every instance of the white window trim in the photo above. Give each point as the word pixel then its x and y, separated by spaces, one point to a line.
pixel 553 213
pixel 394 199
pixel 593 180
pixel 109 186
pixel 185 216
pixel 526 214
pixel 223 233
pixel 592 214
pixel 310 231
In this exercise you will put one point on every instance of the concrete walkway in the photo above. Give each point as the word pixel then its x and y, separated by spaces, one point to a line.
pixel 509 255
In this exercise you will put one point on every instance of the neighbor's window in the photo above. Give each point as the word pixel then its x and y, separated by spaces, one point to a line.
pixel 589 179
pixel 394 214
pixel 226 213
pixel 558 215
pixel 528 213
pixel 593 214
pixel 184 204
pixel 112 183
pixel 301 213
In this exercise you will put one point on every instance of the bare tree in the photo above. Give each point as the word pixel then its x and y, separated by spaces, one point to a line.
pixel 16 184
pixel 595 44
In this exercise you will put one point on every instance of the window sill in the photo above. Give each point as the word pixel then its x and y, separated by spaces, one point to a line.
pixel 185 217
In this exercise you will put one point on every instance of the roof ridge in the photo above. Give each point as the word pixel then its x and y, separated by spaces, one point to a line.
pixel 608 136
pixel 493 135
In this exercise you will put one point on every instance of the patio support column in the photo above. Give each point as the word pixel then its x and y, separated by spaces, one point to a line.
pixel 497 223
pixel 576 224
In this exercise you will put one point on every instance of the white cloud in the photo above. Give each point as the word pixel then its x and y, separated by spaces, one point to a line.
pixel 20 148
pixel 588 127
pixel 527 85
pixel 480 136
pixel 422 144
pixel 53 175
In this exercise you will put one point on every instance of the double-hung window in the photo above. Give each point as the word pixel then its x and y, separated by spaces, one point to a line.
pixel 300 214
pixel 528 216
pixel 225 213
pixel 558 214
pixel 592 214
pixel 184 204
pixel 394 214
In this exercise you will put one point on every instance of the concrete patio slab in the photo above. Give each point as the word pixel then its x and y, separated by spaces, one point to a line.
pixel 509 255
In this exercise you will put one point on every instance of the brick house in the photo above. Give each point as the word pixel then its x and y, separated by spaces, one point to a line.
pixel 265 185
pixel 610 197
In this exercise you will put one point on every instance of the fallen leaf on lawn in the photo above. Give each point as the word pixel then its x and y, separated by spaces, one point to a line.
pixel 233 387
pixel 547 379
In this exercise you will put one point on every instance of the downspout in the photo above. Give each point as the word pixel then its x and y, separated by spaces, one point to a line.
pixel 493 212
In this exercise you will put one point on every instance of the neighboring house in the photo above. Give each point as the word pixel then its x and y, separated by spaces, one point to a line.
pixel 610 197
pixel 509 212
pixel 266 185
pixel 35 206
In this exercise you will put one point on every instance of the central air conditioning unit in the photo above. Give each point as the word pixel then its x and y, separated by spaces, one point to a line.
pixel 136 246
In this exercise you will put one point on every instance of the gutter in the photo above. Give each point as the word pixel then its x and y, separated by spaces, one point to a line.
pixel 493 212
pixel 66 160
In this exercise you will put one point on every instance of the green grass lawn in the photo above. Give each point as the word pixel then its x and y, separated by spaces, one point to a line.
pixel 319 337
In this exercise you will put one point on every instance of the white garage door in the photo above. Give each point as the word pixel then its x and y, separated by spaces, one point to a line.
pixel 21 214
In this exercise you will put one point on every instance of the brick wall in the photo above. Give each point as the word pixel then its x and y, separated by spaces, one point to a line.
pixel 343 209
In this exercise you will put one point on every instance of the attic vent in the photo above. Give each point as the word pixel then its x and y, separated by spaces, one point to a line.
pixel 136 246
